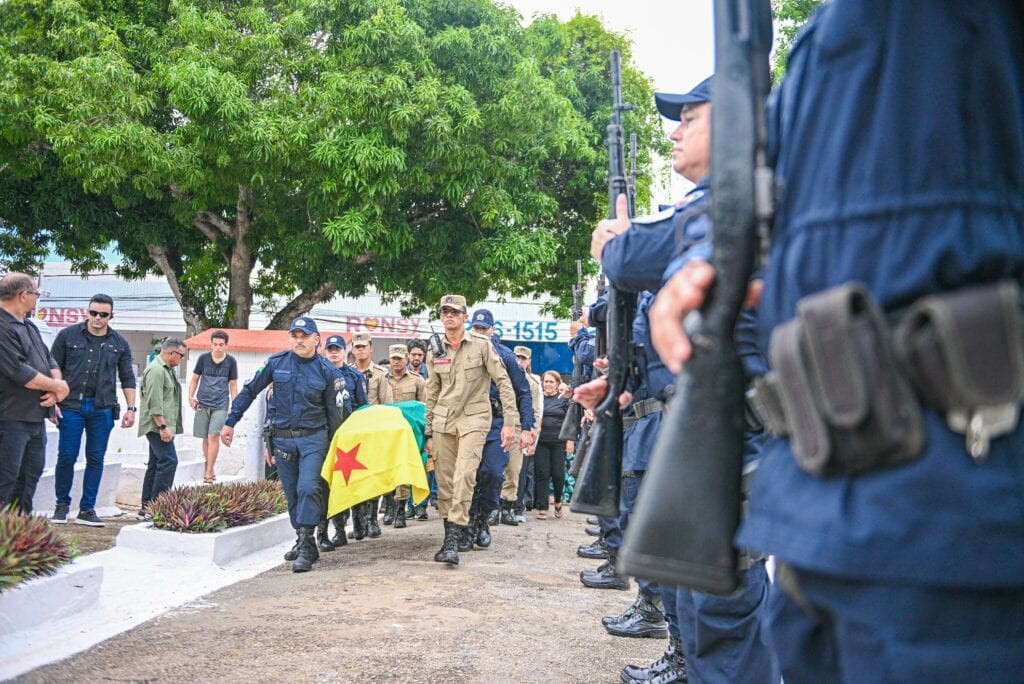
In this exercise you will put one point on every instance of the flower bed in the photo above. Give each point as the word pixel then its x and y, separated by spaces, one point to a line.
pixel 29 547
pixel 217 507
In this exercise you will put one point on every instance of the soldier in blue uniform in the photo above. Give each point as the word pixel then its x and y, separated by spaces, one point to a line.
pixel 490 475
pixel 304 415
pixel 914 570
pixel 350 394
pixel 723 638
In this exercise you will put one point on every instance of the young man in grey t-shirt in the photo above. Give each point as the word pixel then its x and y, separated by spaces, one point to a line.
pixel 213 387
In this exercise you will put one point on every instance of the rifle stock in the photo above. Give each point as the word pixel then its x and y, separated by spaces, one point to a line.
pixel 682 528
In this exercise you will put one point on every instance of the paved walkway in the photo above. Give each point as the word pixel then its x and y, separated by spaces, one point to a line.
pixel 374 611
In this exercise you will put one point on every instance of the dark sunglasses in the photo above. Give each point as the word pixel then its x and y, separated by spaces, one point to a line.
pixel 450 312
pixel 180 354
pixel 101 314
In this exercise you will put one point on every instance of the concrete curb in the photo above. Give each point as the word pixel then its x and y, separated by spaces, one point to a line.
pixel 43 599
pixel 219 548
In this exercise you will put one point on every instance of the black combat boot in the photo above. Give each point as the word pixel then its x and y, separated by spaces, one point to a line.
pixel 293 553
pixel 449 551
pixel 605 576
pixel 596 551
pixel 372 526
pixel 670 667
pixel 593 531
pixel 591 520
pixel 339 538
pixel 483 531
pixel 468 535
pixel 421 512
pixel 608 619
pixel 507 516
pixel 646 620
pixel 325 543
pixel 359 521
pixel 492 517
pixel 390 504
pixel 399 514
pixel 308 553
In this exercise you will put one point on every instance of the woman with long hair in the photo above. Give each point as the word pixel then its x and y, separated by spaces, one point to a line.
pixel 549 458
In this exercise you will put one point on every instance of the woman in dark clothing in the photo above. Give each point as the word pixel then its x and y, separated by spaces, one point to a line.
pixel 549 458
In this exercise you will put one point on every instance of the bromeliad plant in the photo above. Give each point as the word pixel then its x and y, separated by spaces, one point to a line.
pixel 217 507
pixel 29 547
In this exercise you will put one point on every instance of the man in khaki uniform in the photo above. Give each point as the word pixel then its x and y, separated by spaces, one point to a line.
pixel 510 488
pixel 378 392
pixel 459 417
pixel 404 386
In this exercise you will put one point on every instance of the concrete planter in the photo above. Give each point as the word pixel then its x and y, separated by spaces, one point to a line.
pixel 44 599
pixel 219 548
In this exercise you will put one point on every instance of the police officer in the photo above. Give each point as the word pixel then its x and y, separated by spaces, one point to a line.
pixel 510 487
pixel 490 475
pixel 403 386
pixel 720 636
pixel 460 372
pixel 304 414
pixel 350 394
pixel 870 197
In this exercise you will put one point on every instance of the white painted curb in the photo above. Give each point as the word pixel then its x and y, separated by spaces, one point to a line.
pixel 43 599
pixel 219 548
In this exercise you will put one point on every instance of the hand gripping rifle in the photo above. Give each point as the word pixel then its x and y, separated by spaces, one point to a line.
pixel 682 528
pixel 597 490
pixel 571 424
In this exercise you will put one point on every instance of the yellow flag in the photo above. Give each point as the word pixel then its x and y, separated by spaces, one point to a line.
pixel 372 452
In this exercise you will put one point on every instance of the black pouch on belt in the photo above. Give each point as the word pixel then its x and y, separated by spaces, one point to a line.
pixel 848 409
pixel 964 352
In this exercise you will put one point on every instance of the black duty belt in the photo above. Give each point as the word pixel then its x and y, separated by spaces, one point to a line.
pixel 306 432
pixel 646 407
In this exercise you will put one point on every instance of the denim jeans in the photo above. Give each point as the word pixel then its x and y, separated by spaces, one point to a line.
pixel 163 463
pixel 524 496
pixel 96 424
pixel 22 444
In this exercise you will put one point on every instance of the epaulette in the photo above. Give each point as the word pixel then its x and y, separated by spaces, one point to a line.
pixel 663 215
pixel 479 336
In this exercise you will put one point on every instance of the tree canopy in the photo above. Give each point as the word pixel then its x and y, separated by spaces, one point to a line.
pixel 292 150
pixel 790 17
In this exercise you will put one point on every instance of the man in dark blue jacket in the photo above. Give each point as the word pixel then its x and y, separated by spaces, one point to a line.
pixel 900 148
pixel 304 414
pixel 490 475
pixel 93 357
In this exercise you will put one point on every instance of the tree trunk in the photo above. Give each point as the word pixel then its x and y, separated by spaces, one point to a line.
pixel 170 266
pixel 241 263
pixel 300 305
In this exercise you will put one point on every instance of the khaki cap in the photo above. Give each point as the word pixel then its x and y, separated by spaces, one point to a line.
pixel 361 338
pixel 398 350
pixel 454 301
pixel 523 351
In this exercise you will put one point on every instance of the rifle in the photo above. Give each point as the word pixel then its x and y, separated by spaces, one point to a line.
pixel 597 491
pixel 682 528
pixel 571 424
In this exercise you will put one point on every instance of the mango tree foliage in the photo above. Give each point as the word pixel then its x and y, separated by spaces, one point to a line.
pixel 290 151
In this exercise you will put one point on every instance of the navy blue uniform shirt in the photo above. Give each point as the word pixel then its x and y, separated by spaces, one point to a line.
pixel 900 138
pixel 524 398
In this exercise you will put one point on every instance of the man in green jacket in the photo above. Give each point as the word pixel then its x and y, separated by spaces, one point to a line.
pixel 160 419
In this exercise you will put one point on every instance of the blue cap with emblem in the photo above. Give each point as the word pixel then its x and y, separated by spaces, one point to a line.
pixel 335 341
pixel 482 318
pixel 305 324
pixel 670 105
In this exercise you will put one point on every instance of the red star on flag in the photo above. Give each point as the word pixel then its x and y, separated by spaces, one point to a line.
pixel 346 462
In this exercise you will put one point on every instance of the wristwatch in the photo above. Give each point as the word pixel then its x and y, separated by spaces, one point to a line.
pixel 132 408
pixel 161 427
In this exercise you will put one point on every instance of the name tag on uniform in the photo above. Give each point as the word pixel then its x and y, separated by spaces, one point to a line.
pixel 442 362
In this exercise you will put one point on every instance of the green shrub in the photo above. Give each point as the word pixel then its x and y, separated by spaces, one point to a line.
pixel 29 547
pixel 212 508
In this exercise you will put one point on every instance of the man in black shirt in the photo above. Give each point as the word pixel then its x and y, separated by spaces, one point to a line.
pixel 92 356
pixel 30 386
pixel 213 387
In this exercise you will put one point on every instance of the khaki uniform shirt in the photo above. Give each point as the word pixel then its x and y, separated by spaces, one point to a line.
pixel 459 386
pixel 537 394
pixel 411 387
pixel 377 389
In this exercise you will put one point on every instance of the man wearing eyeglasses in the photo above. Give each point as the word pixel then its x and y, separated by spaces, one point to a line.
pixel 31 384
pixel 92 356
pixel 160 420
pixel 460 371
